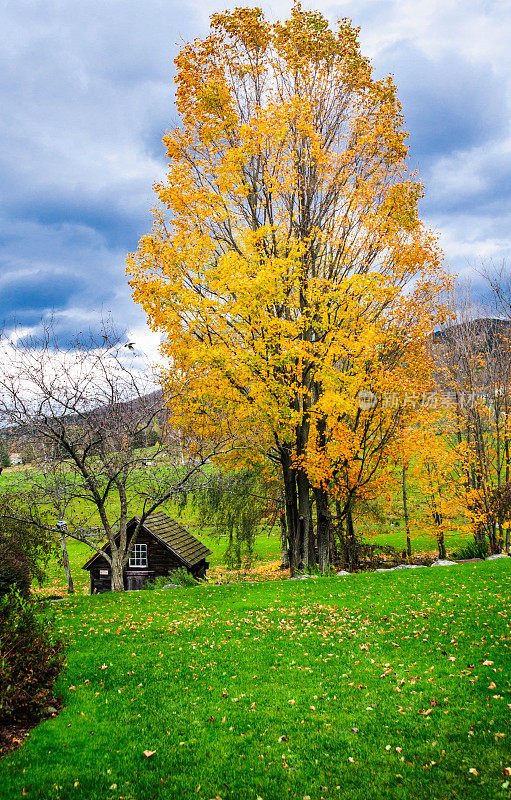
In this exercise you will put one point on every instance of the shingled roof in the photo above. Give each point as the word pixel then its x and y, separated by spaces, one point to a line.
pixel 181 541
pixel 173 535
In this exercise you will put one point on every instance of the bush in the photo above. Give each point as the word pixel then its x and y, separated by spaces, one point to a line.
pixel 31 656
pixel 14 566
pixel 181 577
pixel 5 461
pixel 473 550
pixel 22 520
pixel 158 583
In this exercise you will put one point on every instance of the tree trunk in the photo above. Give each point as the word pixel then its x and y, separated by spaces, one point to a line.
pixel 65 561
pixel 442 553
pixel 351 540
pixel 304 515
pixel 407 521
pixel 293 537
pixel 311 542
pixel 117 584
pixel 323 529
pixel 283 539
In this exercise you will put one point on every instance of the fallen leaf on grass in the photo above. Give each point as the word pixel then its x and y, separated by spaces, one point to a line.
pixel 473 771
pixel 149 753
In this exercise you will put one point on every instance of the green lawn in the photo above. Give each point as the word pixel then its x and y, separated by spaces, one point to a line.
pixel 267 547
pixel 371 686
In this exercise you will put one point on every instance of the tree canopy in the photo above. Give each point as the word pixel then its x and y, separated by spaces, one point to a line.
pixel 287 265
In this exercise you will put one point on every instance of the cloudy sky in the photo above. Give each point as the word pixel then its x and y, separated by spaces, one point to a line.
pixel 87 92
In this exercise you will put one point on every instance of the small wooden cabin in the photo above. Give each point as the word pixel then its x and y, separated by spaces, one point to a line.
pixel 162 546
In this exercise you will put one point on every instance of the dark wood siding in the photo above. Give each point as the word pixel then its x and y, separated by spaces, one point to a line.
pixel 161 561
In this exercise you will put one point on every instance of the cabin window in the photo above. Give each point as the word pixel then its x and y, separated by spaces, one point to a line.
pixel 138 556
pixel 103 572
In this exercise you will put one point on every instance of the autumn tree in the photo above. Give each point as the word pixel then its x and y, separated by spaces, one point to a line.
pixel 287 265
pixel 474 363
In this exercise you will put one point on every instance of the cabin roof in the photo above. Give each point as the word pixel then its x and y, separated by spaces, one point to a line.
pixel 172 534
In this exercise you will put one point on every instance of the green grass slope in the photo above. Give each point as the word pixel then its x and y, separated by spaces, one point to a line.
pixel 370 686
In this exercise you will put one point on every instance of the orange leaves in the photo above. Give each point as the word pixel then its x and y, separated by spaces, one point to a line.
pixel 280 271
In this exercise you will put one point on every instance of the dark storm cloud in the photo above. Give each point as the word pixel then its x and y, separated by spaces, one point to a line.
pixel 449 103
pixel 86 96
pixel 87 93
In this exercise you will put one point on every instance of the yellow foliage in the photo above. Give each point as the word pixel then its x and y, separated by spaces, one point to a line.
pixel 287 265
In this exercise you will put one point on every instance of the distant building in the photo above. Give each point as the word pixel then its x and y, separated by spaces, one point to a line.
pixel 162 546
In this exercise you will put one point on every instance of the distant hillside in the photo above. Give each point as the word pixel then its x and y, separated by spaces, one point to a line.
pixel 484 333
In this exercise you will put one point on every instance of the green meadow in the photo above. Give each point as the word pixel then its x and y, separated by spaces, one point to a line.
pixel 267 548
pixel 369 686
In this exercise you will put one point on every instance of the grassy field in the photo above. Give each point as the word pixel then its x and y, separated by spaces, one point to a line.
pixel 370 686
pixel 267 547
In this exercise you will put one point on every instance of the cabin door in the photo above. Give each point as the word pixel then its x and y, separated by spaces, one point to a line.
pixel 136 581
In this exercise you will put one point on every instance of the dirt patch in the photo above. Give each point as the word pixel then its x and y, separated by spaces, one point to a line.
pixel 14 732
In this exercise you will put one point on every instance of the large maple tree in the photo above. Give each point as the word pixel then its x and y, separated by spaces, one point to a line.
pixel 287 266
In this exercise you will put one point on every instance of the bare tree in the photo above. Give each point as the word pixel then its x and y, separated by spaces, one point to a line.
pixel 474 357
pixel 86 411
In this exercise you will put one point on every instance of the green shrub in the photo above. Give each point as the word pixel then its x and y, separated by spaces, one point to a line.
pixel 182 577
pixel 31 656
pixel 159 582
pixel 25 521
pixel 473 550
pixel 14 566
pixel 5 461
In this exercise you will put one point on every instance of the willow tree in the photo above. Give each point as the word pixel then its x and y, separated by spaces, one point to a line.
pixel 287 265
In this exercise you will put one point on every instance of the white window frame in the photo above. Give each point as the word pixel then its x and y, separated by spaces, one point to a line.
pixel 138 557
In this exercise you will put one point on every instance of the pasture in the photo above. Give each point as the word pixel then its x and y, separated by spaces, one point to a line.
pixel 267 549
pixel 369 686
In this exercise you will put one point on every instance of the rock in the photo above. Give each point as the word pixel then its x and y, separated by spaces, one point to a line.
pixel 497 555
pixel 443 563
pixel 50 711
pixel 400 566
pixel 302 577
pixel 343 572
pixel 171 586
